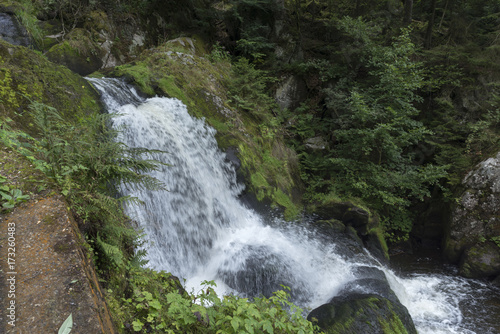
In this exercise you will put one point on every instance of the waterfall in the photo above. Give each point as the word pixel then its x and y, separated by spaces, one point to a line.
pixel 200 230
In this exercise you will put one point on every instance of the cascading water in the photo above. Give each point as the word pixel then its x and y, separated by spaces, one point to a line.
pixel 199 229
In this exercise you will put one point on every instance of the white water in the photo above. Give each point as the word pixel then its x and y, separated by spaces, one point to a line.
pixel 199 229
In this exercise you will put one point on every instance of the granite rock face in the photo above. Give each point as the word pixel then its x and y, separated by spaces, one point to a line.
pixel 472 237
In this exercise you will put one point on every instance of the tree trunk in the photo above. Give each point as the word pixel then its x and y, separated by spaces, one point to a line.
pixel 430 25
pixel 408 12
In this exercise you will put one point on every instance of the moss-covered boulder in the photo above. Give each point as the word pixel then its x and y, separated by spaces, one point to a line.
pixel 364 305
pixel 365 223
pixel 362 313
pixel 27 76
pixel 475 220
pixel 78 52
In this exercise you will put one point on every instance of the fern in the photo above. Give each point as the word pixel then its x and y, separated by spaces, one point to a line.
pixel 113 253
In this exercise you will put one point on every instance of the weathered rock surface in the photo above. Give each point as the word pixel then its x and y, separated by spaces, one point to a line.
pixel 78 52
pixel 473 234
pixel 481 260
pixel 291 91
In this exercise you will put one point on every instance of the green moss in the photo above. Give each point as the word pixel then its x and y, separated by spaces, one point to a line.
pixel 379 234
pixel 168 86
pixel 392 326
pixel 291 210
pixel 26 76
pixel 139 73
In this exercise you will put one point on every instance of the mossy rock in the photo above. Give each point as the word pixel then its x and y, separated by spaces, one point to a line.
pixel 347 212
pixel 27 76
pixel 481 260
pixel 362 220
pixel 362 313
pixel 330 226
pixel 78 52
pixel 475 216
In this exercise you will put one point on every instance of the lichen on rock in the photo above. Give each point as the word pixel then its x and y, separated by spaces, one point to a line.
pixel 475 222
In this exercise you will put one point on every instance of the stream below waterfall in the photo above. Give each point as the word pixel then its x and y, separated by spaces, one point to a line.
pixel 200 229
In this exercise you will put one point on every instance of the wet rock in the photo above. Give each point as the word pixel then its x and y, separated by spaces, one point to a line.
pixel 346 212
pixel 261 273
pixel 475 219
pixel 362 313
pixel 330 226
pixel 12 32
pixel 496 281
pixel 362 226
pixel 365 305
pixel 371 281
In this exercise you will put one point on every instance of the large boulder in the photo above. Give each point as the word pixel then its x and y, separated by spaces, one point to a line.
pixel 365 305
pixel 362 313
pixel 261 272
pixel 481 260
pixel 473 233
pixel 28 76
pixel 79 52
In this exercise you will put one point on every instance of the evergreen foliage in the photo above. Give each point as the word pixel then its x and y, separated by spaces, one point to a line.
pixel 247 90
pixel 376 127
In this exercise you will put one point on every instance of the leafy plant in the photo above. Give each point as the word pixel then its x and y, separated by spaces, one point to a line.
pixel 233 314
pixel 26 14
pixel 11 198
pixel 159 304
pixel 218 53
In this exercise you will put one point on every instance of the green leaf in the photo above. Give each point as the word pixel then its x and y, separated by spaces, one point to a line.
pixel 268 327
pixel 155 304
pixel 137 325
pixel 67 325
pixel 8 205
pixel 236 324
